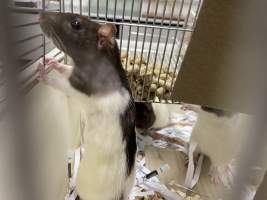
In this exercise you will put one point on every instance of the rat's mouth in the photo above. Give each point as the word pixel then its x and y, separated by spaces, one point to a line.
pixel 50 32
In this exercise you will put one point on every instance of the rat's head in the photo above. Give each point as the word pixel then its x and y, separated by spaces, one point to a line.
pixel 75 34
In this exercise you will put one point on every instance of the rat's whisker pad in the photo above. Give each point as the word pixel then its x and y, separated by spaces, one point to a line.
pixel 57 39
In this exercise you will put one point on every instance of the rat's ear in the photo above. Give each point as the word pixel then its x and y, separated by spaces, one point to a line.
pixel 106 35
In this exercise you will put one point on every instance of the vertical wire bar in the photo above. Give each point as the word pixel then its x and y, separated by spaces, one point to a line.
pixel 106 10
pixel 129 34
pixel 188 14
pixel 89 8
pixel 136 40
pixel 60 5
pixel 197 11
pixel 164 51
pixel 156 55
pixel 63 5
pixel 175 36
pixel 81 7
pixel 71 5
pixel 63 9
pixel 181 44
pixel 150 45
pixel 144 37
pixel 97 9
pixel 123 13
pixel 60 10
pixel 43 38
pixel 115 10
pixel 65 59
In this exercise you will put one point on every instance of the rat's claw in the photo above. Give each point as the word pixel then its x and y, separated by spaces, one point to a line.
pixel 52 62
pixel 214 175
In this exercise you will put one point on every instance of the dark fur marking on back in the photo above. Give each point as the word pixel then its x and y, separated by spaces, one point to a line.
pixel 145 116
pixel 121 197
pixel 217 112
pixel 127 120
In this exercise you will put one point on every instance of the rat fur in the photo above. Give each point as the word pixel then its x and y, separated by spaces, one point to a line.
pixel 151 116
pixel 218 135
pixel 98 82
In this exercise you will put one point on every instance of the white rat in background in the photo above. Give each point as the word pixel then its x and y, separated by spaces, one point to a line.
pixel 97 80
pixel 218 134
pixel 151 115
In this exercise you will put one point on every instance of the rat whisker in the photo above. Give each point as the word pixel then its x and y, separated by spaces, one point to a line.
pixel 56 39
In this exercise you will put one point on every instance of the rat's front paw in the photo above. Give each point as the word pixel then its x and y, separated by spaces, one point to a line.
pixel 214 175
pixel 52 62
pixel 222 174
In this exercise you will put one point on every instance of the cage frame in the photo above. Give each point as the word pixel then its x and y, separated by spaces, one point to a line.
pixel 173 25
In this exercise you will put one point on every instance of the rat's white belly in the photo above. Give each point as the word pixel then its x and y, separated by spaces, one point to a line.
pixel 102 171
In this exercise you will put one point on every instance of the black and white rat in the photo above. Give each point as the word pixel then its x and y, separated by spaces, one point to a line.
pixel 218 134
pixel 98 82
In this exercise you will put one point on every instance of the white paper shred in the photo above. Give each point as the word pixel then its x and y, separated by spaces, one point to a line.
pixel 180 132
pixel 145 187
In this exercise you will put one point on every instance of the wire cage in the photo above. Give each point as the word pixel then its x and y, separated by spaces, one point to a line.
pixel 152 35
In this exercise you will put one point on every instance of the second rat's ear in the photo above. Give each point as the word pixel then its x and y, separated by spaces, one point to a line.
pixel 106 35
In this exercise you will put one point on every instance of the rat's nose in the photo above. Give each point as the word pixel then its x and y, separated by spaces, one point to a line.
pixel 47 16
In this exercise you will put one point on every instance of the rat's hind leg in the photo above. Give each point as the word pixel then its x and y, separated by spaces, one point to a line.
pixel 214 175
pixel 222 174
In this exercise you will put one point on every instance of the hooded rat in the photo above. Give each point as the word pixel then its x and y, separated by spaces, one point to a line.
pixel 97 80
pixel 218 134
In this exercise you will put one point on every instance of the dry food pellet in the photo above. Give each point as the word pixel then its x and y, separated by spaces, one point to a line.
pixel 161 82
pixel 168 85
pixel 160 91
pixel 153 87
pixel 123 54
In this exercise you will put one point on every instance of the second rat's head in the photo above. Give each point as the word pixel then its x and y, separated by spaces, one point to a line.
pixel 77 35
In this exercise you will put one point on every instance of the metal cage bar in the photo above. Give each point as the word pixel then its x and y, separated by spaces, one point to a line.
pixel 146 26
pixel 123 12
pixel 147 30
pixel 159 39
pixel 129 34
pixel 150 45
pixel 144 37
pixel 136 40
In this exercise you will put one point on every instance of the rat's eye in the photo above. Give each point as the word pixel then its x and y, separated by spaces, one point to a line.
pixel 76 24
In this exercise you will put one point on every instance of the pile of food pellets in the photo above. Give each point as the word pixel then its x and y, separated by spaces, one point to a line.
pixel 148 80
